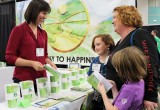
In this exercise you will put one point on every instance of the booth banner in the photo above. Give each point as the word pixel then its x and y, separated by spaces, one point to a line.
pixel 72 24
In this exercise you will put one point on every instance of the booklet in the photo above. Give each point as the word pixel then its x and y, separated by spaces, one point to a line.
pixel 96 77
pixel 47 103
pixel 42 87
pixel 69 96
pixel 74 66
pixel 27 90
pixel 54 72
pixel 80 89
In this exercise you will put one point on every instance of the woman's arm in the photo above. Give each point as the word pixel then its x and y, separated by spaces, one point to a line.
pixel 30 63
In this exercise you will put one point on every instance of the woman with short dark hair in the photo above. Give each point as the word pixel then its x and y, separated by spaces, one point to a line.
pixel 27 45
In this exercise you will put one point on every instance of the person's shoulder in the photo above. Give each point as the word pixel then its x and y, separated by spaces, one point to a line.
pixel 142 34
pixel 20 26
pixel 42 30
pixel 142 31
pixel 157 38
pixel 96 59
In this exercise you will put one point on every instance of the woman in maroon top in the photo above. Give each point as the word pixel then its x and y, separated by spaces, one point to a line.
pixel 27 45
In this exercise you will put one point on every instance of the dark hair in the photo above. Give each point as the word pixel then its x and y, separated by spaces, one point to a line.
pixel 155 31
pixel 34 8
pixel 107 39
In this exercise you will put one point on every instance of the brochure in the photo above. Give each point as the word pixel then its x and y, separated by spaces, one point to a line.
pixel 47 102
pixel 12 94
pixel 27 90
pixel 42 87
pixel 96 77
pixel 80 89
pixel 54 72
pixel 69 96
pixel 74 66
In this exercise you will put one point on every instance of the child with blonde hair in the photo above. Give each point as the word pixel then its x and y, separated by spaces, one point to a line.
pixel 131 65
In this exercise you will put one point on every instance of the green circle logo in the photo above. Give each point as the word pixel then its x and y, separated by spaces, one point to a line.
pixel 66 25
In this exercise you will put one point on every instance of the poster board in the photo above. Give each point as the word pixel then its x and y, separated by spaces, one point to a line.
pixel 71 26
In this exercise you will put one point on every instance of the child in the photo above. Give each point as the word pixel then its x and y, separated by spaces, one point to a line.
pixel 102 44
pixel 131 65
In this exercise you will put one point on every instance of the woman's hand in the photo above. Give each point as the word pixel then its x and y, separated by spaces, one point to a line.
pixel 53 65
pixel 37 66
pixel 48 61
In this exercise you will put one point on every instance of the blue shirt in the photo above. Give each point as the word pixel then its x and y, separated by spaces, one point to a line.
pixel 102 67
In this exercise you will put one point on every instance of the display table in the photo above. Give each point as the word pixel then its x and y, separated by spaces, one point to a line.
pixel 64 105
pixel 6 78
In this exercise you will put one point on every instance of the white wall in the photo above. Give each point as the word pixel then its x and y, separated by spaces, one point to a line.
pixel 142 6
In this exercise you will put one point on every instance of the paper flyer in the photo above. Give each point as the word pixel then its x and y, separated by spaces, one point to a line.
pixel 69 96
pixel 80 89
pixel 48 102
pixel 96 77
pixel 74 66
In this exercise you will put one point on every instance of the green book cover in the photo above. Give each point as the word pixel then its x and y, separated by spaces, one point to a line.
pixel 55 84
pixel 93 80
pixel 52 71
pixel 27 90
pixel 42 87
pixel 12 94
pixel 96 77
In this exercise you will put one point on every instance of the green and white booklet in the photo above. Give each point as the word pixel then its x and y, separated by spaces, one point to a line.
pixel 54 72
pixel 96 77
pixel 12 94
pixel 27 90
pixel 42 87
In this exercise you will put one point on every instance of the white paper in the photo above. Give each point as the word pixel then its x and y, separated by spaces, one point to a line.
pixel 103 80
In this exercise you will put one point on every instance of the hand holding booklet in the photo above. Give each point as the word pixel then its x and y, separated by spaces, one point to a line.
pixel 96 77
pixel 52 71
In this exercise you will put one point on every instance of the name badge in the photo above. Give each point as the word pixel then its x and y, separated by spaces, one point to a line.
pixel 39 52
pixel 96 67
